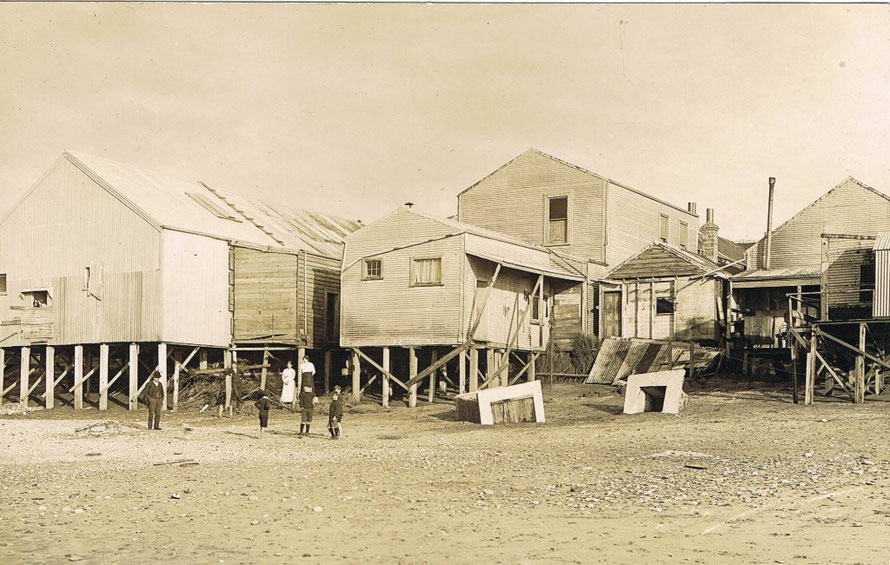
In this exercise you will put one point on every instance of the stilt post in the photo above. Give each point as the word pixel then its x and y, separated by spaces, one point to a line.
pixel 264 372
pixel 356 377
pixel 50 377
pixel 328 367
pixel 162 370
pixel 811 372
pixel 132 400
pixel 177 368
pixel 431 394
pixel 412 372
pixel 24 377
pixel 859 388
pixel 301 352
pixel 227 364
pixel 78 377
pixel 462 372
pixel 2 373
pixel 103 376
pixel 531 366
pixel 474 369
pixel 202 359
pixel 385 383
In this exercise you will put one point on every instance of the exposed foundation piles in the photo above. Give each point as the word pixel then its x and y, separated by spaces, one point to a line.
pixel 97 375
pixel 434 371
pixel 849 357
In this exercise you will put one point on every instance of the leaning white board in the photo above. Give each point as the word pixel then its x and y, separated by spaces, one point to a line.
pixel 486 397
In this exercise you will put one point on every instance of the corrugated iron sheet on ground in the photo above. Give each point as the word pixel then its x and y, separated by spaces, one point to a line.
pixel 618 358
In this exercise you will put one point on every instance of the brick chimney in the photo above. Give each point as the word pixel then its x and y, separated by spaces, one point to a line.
pixel 708 247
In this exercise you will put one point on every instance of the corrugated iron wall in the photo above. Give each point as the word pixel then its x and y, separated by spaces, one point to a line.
pixel 882 284
pixel 68 223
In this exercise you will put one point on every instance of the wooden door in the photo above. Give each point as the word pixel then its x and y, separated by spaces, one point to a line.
pixel 611 314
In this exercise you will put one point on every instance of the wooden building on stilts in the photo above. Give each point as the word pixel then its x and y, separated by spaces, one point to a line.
pixel 109 274
pixel 428 298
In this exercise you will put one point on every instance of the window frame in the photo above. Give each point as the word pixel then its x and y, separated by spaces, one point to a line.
pixel 682 241
pixel 866 291
pixel 568 219
pixel 664 227
pixel 412 272
pixel 4 289
pixel 365 275
pixel 669 300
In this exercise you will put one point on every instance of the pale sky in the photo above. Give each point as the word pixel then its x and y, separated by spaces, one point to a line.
pixel 355 109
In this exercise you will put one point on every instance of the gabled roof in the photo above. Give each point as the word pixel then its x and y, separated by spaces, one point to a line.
pixel 517 254
pixel 662 260
pixel 815 202
pixel 581 169
pixel 196 207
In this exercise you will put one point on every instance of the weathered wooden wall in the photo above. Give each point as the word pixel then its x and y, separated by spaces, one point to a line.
pixel 66 223
pixel 390 312
pixel 849 208
pixel 695 308
pixel 842 261
pixel 512 199
pixel 265 295
pixel 322 277
pixel 633 223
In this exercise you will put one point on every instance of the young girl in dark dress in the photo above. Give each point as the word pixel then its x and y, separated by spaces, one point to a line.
pixel 263 405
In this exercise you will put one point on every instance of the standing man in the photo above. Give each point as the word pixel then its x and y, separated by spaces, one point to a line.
pixel 307 373
pixel 154 393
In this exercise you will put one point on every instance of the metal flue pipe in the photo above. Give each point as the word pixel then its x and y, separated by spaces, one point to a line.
pixel 769 224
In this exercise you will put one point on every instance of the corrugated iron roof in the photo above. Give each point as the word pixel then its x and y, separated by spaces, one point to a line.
pixel 196 207
pixel 786 273
pixel 882 243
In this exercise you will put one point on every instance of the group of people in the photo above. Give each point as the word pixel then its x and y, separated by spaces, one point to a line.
pixel 306 398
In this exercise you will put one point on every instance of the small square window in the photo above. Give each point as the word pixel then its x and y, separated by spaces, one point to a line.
pixel 426 271
pixel 663 228
pixel 372 269
pixel 2 283
pixel 664 306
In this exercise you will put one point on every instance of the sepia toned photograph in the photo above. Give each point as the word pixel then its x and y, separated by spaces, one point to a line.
pixel 447 283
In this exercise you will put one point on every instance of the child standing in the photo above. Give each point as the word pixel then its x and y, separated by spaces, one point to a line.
pixel 335 414
pixel 307 406
pixel 263 405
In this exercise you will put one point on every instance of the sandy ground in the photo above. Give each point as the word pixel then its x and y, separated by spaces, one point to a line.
pixel 743 476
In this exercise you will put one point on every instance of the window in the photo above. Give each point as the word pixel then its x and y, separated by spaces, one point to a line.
pixel 684 234
pixel 87 277
pixel 36 298
pixel 2 283
pixel 866 282
pixel 372 269
pixel 539 308
pixel 213 207
pixel 558 219
pixel 426 271
pixel 663 228
pixel 664 306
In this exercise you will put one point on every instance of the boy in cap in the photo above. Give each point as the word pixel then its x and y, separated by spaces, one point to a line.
pixel 307 406
pixel 263 405
pixel 335 414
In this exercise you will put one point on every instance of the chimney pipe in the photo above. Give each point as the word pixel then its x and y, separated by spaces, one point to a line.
pixel 709 212
pixel 409 204
pixel 691 207
pixel 769 224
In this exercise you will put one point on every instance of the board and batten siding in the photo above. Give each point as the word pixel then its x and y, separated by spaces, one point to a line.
pixel 265 295
pixel 69 222
pixel 507 300
pixel 842 262
pixel 633 223
pixel 322 277
pixel 695 309
pixel 512 201
pixel 195 289
pixel 391 312
pixel 848 208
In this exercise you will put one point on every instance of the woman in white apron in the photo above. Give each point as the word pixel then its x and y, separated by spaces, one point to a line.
pixel 289 386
